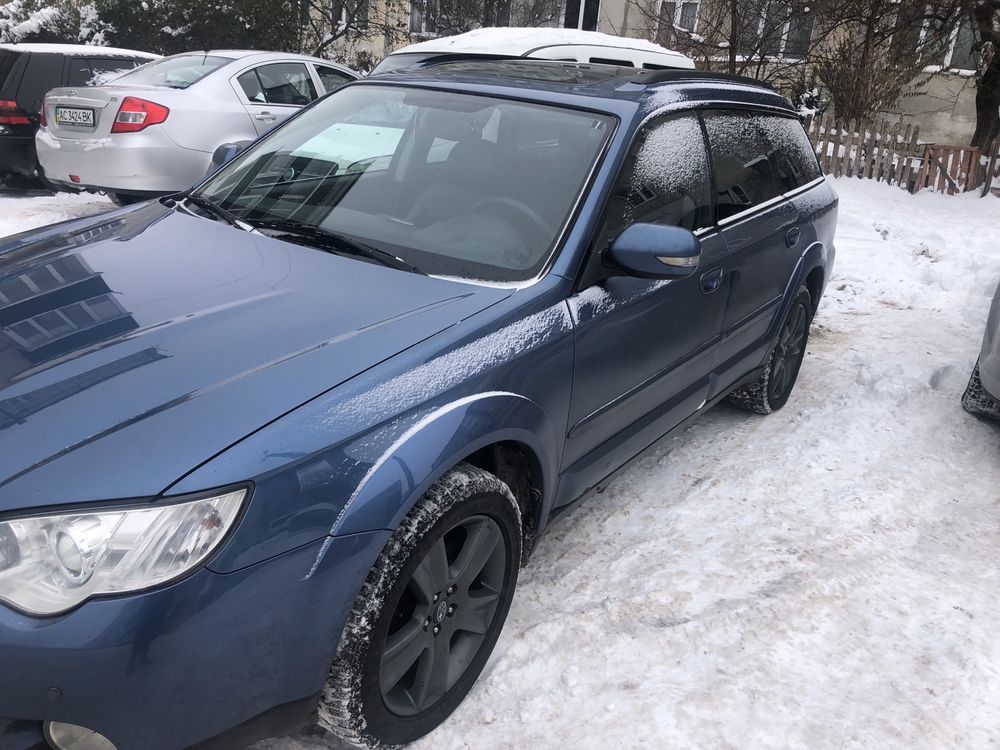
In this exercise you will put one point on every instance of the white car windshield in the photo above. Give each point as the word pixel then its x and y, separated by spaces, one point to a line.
pixel 454 184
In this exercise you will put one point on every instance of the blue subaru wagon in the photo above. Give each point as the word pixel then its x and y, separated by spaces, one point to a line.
pixel 274 449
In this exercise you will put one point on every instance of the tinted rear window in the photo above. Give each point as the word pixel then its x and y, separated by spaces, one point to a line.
pixel 744 175
pixel 176 72
pixel 7 60
pixel 792 156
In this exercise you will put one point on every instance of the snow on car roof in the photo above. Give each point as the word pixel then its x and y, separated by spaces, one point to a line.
pixel 517 41
pixel 77 50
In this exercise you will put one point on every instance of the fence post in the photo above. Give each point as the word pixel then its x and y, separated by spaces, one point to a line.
pixel 993 153
pixel 911 154
pixel 837 156
pixel 890 154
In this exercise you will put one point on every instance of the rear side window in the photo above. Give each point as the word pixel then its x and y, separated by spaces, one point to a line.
pixel 744 176
pixel 176 72
pixel 792 156
pixel 7 60
pixel 665 180
pixel 106 69
pixel 331 78
pixel 42 74
pixel 286 83
pixel 96 71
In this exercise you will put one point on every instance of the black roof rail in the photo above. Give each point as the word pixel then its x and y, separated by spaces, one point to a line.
pixel 669 76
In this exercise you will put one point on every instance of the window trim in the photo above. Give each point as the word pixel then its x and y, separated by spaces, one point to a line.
pixel 717 226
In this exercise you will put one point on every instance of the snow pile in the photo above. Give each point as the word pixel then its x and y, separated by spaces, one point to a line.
pixel 822 577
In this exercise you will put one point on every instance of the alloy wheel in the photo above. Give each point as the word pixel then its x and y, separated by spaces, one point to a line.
pixel 788 353
pixel 443 615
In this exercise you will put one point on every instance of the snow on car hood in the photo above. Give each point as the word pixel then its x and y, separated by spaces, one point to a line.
pixel 133 347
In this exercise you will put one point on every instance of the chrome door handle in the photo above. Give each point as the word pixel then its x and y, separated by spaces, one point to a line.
pixel 265 117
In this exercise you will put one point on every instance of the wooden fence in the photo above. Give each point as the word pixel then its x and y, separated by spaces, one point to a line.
pixel 889 152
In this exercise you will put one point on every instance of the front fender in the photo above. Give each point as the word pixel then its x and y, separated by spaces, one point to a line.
pixel 434 443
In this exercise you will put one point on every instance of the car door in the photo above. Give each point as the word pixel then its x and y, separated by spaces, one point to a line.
pixel 645 349
pixel 758 224
pixel 275 91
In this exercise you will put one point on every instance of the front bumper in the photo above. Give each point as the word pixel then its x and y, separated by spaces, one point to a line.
pixel 144 163
pixel 216 659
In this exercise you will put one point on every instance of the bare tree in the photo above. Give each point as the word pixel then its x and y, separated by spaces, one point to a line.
pixel 882 46
pixel 324 23
pixel 863 51
pixel 445 17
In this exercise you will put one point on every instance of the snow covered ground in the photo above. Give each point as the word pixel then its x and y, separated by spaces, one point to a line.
pixel 19 211
pixel 826 576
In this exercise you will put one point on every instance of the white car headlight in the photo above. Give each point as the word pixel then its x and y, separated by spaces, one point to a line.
pixel 50 564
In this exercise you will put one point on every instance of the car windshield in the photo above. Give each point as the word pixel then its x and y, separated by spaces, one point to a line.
pixel 453 184
pixel 176 72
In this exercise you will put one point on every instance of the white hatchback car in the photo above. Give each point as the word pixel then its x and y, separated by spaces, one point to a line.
pixel 566 45
pixel 154 130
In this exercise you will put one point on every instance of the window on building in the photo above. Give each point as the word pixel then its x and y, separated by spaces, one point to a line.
pixel 958 50
pixel 781 30
pixel 52 325
pixel 677 20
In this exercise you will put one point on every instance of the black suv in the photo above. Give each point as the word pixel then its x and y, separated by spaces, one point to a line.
pixel 27 73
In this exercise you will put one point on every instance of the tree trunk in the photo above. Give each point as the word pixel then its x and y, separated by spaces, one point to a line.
pixel 988 84
pixel 988 105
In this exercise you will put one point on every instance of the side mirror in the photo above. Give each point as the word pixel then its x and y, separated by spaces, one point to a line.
pixel 656 251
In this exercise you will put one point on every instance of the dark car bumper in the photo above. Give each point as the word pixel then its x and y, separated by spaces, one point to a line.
pixel 17 155
pixel 213 661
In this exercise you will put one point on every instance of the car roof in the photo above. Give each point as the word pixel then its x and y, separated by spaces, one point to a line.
pixel 649 89
pixel 76 50
pixel 550 44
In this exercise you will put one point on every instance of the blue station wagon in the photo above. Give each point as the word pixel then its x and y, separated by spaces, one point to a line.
pixel 274 449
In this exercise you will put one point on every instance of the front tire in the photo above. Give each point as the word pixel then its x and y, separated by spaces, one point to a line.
pixel 771 390
pixel 428 615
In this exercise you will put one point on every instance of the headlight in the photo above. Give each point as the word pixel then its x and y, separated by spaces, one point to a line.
pixel 51 564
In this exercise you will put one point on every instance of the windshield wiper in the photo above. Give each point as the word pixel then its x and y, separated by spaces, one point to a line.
pixel 336 242
pixel 217 211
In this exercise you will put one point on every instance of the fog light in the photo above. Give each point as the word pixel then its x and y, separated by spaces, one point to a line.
pixel 71 737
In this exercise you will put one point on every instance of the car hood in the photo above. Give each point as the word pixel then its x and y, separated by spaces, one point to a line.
pixel 136 346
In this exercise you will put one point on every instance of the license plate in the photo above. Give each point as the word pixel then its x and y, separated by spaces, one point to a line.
pixel 71 116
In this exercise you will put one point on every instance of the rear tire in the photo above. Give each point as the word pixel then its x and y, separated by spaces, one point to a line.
pixel 771 390
pixel 976 400
pixel 428 615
